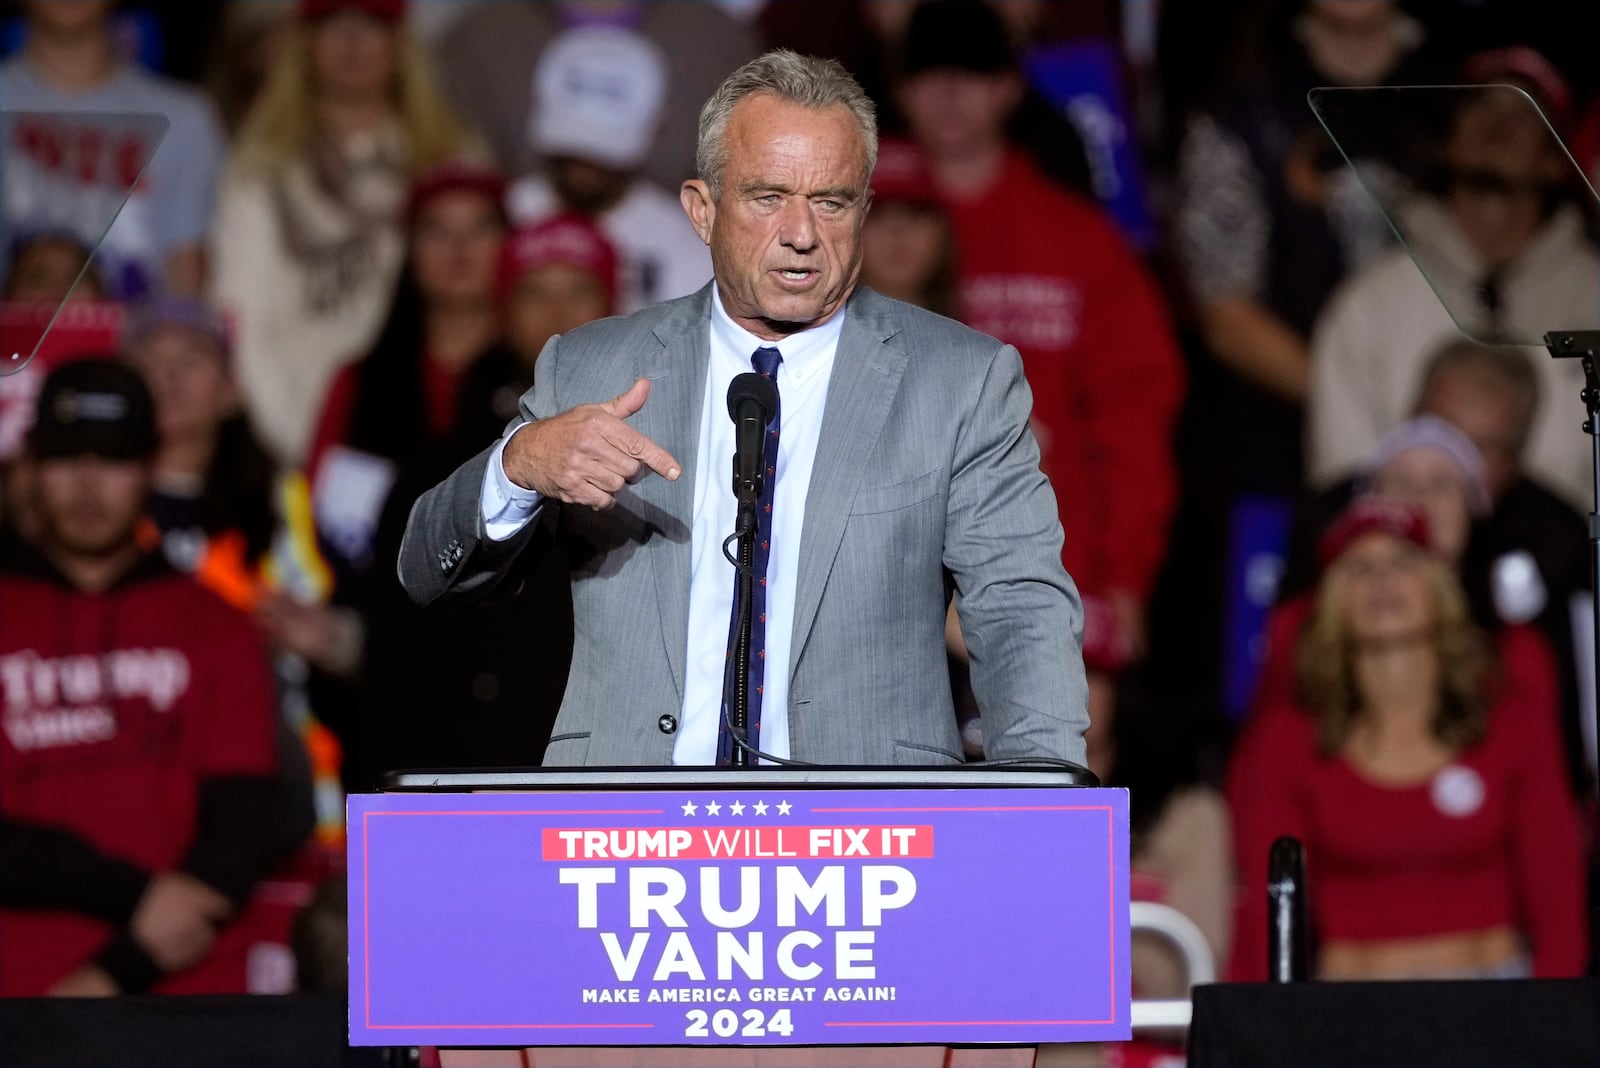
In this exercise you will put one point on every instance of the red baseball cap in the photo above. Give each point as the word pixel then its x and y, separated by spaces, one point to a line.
pixel 452 176
pixel 385 10
pixel 1537 74
pixel 566 239
pixel 1372 514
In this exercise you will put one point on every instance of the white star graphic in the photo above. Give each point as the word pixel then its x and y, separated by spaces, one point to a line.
pixel 737 808
pixel 689 808
pixel 783 808
pixel 712 808
pixel 760 807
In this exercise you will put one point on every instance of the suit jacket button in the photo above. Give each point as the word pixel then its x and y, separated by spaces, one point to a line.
pixel 668 724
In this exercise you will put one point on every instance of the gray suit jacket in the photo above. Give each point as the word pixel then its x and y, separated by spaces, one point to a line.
pixel 925 466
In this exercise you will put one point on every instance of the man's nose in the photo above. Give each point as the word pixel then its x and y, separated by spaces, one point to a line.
pixel 799 229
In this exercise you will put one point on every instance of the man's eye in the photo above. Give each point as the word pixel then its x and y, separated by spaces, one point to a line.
pixel 832 205
pixel 767 199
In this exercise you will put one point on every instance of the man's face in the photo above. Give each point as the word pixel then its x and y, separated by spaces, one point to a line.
pixel 785 234
pixel 1352 42
pixel 44 272
pixel 954 112
pixel 587 188
pixel 69 16
pixel 89 506
pixel 1502 163
pixel 1489 414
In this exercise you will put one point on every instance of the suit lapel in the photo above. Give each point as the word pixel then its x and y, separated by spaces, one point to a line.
pixel 866 375
pixel 671 418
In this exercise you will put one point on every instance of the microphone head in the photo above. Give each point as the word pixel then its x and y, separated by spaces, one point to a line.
pixel 751 386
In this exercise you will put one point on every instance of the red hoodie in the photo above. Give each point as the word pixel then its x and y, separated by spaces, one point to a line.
pixel 122 709
pixel 1047 272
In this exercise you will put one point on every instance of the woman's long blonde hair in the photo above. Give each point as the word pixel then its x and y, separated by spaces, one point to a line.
pixel 281 125
pixel 1326 661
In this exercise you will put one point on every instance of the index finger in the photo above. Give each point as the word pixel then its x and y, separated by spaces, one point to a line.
pixel 647 452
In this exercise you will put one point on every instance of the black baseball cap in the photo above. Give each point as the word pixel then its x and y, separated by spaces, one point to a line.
pixel 96 406
pixel 956 35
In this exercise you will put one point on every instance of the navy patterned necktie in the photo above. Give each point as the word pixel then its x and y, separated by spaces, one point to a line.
pixel 765 360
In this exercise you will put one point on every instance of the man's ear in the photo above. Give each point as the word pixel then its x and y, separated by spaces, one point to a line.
pixel 695 196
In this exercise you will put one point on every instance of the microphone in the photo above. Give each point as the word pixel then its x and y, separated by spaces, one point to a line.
pixel 1286 904
pixel 752 404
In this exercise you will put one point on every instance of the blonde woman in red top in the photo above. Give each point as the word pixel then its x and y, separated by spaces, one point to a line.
pixel 1441 840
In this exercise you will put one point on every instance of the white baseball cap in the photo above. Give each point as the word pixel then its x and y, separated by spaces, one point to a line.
pixel 597 96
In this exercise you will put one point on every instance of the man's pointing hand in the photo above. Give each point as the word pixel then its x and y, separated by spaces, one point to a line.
pixel 586 455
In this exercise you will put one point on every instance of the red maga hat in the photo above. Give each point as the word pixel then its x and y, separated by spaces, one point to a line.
pixel 387 10
pixel 454 176
pixel 1368 515
pixel 566 239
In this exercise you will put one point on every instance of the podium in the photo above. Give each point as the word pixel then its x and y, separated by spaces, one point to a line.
pixel 770 916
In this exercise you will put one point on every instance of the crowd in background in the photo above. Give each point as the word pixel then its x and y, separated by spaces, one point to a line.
pixel 1327 530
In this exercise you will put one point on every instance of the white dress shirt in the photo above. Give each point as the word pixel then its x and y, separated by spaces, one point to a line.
pixel 803 378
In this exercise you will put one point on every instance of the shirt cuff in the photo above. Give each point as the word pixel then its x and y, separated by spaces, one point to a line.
pixel 129 964
pixel 506 507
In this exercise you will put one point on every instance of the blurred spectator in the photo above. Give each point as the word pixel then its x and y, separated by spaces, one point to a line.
pixel 70 172
pixel 907 249
pixel 866 37
pixel 400 398
pixel 308 240
pixel 555 276
pixel 321 941
pixel 1586 144
pixel 598 93
pixel 1527 559
pixel 1045 271
pixel 212 484
pixel 860 34
pixel 481 688
pixel 252 40
pixel 387 414
pixel 1429 465
pixel 431 21
pixel 491 55
pixel 1180 847
pixel 45 269
pixel 1428 794
pixel 1269 219
pixel 214 509
pixel 48 267
pixel 1504 251
pixel 140 789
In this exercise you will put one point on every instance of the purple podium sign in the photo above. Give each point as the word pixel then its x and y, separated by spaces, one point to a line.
pixel 785 916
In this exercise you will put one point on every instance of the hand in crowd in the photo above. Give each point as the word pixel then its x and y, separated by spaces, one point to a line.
pixel 586 455
pixel 1131 631
pixel 176 920
pixel 324 635
pixel 89 981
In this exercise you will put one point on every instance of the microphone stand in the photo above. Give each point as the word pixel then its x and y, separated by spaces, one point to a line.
pixel 745 592
pixel 1584 346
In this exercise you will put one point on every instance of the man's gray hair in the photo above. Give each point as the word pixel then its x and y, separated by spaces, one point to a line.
pixel 1511 367
pixel 804 80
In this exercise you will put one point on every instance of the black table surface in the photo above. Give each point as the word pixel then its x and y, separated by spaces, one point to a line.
pixel 1497 1023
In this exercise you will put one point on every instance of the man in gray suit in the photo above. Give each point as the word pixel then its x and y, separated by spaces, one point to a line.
pixel 905 462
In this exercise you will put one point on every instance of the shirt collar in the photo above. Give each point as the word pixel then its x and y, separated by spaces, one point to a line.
pixel 804 351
